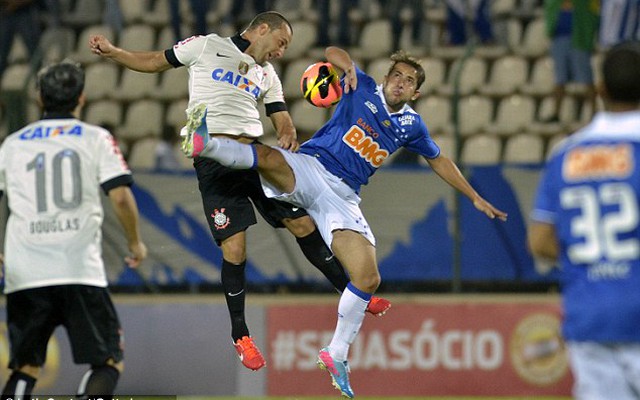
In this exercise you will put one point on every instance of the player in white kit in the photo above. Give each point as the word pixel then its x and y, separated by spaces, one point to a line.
pixel 228 76
pixel 52 172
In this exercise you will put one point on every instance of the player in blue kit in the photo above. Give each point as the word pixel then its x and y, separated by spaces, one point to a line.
pixel 369 124
pixel 586 216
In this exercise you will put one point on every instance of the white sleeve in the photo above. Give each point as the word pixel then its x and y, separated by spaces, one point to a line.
pixel 3 167
pixel 189 50
pixel 111 161
pixel 273 92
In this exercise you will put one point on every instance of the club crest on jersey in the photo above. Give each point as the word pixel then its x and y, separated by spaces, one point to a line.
pixel 243 67
pixel 220 219
pixel 237 80
pixel 44 132
pixel 407 119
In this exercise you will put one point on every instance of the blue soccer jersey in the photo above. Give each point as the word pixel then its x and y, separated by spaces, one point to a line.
pixel 362 134
pixel 590 192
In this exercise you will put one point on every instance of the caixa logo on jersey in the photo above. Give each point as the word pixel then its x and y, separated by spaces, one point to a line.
pixel 222 75
pixel 44 132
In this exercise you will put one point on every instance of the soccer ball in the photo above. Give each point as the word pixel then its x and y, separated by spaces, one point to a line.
pixel 320 85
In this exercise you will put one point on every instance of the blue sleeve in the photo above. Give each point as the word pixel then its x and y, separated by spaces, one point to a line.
pixel 422 142
pixel 545 206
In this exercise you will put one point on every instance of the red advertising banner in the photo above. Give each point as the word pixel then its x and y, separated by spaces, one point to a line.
pixel 445 348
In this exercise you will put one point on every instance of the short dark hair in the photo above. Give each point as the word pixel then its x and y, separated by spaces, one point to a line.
pixel 273 19
pixel 60 86
pixel 621 72
pixel 401 56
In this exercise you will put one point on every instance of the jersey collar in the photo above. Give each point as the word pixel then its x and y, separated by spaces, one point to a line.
pixel 380 92
pixel 241 43
pixel 57 115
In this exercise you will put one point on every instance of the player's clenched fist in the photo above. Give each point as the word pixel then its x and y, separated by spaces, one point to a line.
pixel 100 45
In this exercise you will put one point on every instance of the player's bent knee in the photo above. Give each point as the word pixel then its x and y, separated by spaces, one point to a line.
pixel 300 227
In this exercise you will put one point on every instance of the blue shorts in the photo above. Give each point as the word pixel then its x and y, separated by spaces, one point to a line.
pixel 570 64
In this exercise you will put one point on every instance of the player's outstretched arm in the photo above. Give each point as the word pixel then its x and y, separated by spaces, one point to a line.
pixel 141 61
pixel 449 172
pixel 341 60
pixel 126 210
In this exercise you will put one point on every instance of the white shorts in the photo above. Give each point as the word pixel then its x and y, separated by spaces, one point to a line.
pixel 329 201
pixel 603 371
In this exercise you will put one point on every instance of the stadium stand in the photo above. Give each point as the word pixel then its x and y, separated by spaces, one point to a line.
pixel 524 149
pixel 481 149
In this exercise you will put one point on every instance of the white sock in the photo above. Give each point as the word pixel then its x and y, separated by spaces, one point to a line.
pixel 351 308
pixel 231 153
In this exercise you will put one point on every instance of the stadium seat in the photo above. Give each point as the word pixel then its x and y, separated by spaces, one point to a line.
pixel 137 37
pixel 481 149
pixel 435 74
pixel 82 54
pixel 507 75
pixel 166 39
pixel 16 77
pixel 292 75
pixel 475 114
pixel 436 113
pixel 104 112
pixel 447 144
pixel 304 38
pixel 524 148
pixel 34 111
pixel 142 153
pixel 18 53
pixel 157 15
pixel 307 118
pixel 514 114
pixel 101 79
pixel 83 14
pixel 568 115
pixel 143 118
pixel 133 12
pixel 542 78
pixel 176 115
pixel 57 43
pixel 472 76
pixel 535 42
pixel 554 141
pixel 378 68
pixel 134 85
pixel 174 85
pixel 514 33
pixel 375 40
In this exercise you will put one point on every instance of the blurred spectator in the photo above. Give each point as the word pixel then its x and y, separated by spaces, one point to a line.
pixel 478 12
pixel 619 21
pixel 166 159
pixel 235 16
pixel 199 9
pixel 572 27
pixel 395 13
pixel 325 24
pixel 112 15
pixel 20 17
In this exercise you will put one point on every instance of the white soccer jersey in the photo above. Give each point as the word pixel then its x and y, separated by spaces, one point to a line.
pixel 51 171
pixel 229 82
